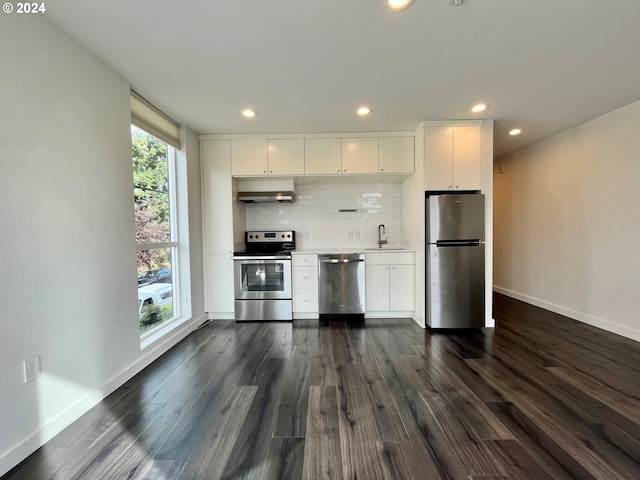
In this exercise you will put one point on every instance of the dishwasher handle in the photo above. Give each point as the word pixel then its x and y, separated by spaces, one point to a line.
pixel 341 259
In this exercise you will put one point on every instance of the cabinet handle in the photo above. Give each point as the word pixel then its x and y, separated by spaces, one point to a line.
pixel 450 186
pixel 457 186
pixel 264 171
pixel 382 169
pixel 338 170
pixel 344 171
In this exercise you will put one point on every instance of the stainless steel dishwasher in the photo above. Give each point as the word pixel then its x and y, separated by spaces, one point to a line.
pixel 341 285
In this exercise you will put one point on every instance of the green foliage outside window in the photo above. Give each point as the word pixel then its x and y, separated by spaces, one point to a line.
pixel 151 197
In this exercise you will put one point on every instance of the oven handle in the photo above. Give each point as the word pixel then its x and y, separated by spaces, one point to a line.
pixel 260 257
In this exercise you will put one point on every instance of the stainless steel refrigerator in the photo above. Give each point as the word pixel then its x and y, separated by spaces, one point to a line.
pixel 455 260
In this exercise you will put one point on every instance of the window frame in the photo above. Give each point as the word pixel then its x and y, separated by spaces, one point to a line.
pixel 173 244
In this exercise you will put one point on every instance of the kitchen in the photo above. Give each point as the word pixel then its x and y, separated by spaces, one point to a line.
pixel 544 210
pixel 379 179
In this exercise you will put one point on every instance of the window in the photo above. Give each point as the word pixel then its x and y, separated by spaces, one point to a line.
pixel 154 184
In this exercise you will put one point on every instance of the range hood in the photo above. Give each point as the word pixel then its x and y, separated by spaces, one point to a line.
pixel 266 191
pixel 266 197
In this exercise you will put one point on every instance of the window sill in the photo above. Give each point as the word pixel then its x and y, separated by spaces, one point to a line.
pixel 152 337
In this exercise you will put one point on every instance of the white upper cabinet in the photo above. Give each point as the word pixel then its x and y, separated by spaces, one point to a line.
pixel 285 156
pixel 452 158
pixel 466 158
pixel 267 157
pixel 249 157
pixel 217 196
pixel 396 154
pixel 322 156
pixel 360 155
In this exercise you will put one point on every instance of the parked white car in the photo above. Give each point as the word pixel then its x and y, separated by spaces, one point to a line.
pixel 158 294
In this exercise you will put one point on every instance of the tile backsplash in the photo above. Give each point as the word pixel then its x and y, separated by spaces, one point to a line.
pixel 318 222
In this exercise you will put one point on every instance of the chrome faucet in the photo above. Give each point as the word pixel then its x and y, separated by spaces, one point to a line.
pixel 382 235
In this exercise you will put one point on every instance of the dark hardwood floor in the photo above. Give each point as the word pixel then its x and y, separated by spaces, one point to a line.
pixel 539 397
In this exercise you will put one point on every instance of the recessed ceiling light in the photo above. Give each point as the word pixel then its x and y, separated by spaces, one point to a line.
pixel 479 107
pixel 398 5
pixel 515 131
pixel 363 111
pixel 249 113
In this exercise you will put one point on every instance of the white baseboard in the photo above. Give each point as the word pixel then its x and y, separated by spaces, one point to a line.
pixel 221 316
pixel 419 321
pixel 46 432
pixel 22 450
pixel 567 312
pixel 305 316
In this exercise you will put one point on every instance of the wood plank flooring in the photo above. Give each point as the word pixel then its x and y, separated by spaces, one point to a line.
pixel 539 397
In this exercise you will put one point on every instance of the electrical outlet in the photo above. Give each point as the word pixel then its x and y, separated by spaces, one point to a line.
pixel 350 235
pixel 31 368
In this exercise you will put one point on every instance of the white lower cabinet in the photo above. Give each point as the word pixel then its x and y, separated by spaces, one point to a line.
pixel 390 284
pixel 219 294
pixel 304 274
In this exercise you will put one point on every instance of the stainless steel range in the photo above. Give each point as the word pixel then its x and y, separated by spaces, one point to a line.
pixel 262 276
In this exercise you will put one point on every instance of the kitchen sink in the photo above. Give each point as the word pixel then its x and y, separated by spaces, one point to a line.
pixel 380 249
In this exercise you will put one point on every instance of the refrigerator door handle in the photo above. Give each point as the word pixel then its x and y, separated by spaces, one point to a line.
pixel 459 243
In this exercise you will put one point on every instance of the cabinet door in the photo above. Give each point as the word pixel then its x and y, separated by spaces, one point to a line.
pixel 219 295
pixel 249 157
pixel 396 154
pixel 360 155
pixel 466 158
pixel 217 196
pixel 377 288
pixel 322 156
pixel 305 277
pixel 286 156
pixel 305 300
pixel 402 287
pixel 438 158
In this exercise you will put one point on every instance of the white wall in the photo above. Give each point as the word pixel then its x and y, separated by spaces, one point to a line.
pixel 413 222
pixel 318 223
pixel 67 244
pixel 567 223
pixel 189 156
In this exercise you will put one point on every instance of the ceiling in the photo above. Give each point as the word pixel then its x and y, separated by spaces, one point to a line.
pixel 305 65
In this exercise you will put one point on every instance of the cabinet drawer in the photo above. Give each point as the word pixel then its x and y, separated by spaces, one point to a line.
pixel 391 258
pixel 304 259
pixel 305 300
pixel 305 277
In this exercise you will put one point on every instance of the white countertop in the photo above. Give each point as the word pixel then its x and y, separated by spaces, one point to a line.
pixel 320 250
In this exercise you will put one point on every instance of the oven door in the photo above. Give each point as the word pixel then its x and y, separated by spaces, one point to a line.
pixel 257 279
